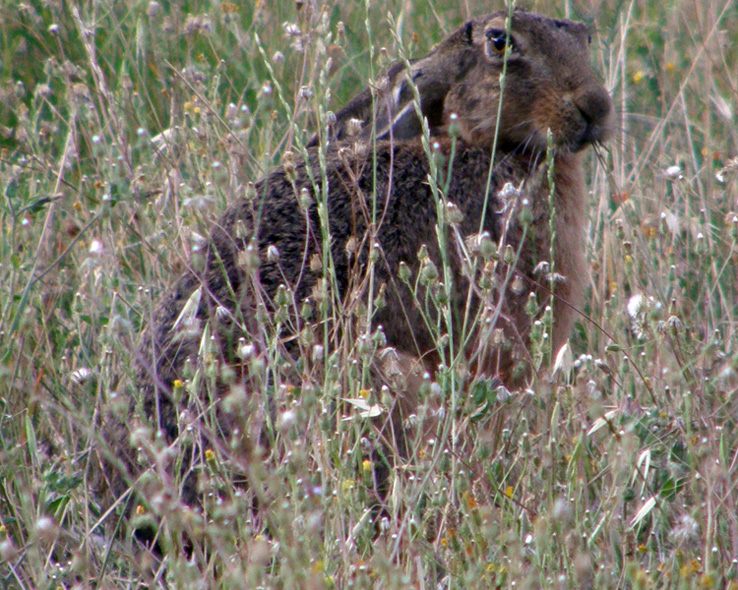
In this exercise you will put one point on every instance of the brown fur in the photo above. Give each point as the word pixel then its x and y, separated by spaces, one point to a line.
pixel 548 85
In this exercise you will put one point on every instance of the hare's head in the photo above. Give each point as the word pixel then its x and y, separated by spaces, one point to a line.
pixel 548 84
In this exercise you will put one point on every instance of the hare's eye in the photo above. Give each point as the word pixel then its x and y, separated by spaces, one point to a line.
pixel 498 40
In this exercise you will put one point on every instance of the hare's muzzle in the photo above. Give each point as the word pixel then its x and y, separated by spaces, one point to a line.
pixel 595 108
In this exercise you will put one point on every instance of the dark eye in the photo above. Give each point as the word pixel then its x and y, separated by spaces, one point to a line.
pixel 498 40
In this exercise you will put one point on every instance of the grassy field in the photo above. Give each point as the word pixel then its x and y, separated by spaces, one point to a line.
pixel 620 474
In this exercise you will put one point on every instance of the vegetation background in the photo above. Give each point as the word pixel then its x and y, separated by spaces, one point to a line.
pixel 127 126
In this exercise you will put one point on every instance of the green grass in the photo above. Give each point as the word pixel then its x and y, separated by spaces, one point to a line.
pixel 621 477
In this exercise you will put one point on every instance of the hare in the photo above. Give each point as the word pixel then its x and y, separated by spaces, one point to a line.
pixel 493 147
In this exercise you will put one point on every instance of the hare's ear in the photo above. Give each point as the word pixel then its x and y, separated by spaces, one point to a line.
pixel 391 112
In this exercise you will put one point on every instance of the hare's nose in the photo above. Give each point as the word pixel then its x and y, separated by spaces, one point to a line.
pixel 594 104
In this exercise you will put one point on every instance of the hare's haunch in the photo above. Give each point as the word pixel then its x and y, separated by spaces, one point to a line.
pixel 381 210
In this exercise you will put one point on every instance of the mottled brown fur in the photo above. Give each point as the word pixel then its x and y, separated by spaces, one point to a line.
pixel 548 85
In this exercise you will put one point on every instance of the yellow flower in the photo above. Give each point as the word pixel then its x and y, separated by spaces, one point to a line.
pixel 348 485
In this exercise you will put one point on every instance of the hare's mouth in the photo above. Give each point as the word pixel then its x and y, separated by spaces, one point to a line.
pixel 574 134
pixel 591 135
pixel 538 141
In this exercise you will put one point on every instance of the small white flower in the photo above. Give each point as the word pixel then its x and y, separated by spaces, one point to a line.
pixel 7 551
pixel 509 191
pixel 245 350
pixel 46 529
pixel 81 375
pixel 272 253
pixel 686 529
pixel 635 305
pixel 153 9
pixel 542 268
pixel 503 394
pixel 291 29
pixel 353 127
pixel 96 247
pixel 673 172
pixel 286 420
